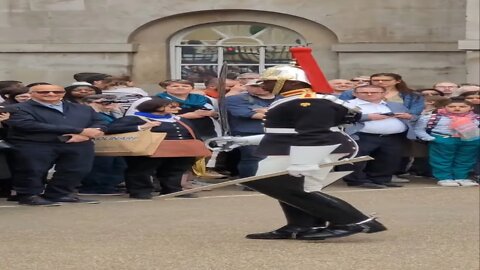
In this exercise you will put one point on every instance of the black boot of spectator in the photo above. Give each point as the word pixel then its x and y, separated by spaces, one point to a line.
pixel 35 200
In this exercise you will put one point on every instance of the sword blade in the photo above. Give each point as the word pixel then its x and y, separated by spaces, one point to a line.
pixel 259 177
pixel 222 108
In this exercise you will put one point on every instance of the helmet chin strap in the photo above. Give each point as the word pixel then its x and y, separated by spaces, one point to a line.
pixel 278 86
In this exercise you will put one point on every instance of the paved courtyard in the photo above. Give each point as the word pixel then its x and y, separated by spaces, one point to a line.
pixel 430 227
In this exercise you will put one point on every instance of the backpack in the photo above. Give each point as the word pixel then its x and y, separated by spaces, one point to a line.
pixel 432 122
pixel 434 119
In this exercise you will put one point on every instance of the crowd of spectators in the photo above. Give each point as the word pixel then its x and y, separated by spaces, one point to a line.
pixel 47 150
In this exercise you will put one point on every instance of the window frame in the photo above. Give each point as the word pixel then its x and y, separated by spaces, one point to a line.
pixel 176 55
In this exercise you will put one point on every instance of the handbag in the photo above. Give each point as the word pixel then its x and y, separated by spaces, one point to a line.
pixel 182 148
pixel 139 143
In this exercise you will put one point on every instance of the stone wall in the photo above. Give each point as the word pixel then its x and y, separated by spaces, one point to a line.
pixel 471 44
pixel 48 40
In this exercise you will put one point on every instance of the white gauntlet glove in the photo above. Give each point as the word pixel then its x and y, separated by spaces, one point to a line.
pixel 228 143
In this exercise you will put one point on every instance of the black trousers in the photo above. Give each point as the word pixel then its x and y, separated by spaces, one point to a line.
pixel 387 153
pixel 32 160
pixel 306 208
pixel 106 174
pixel 5 176
pixel 169 171
pixel 228 161
pixel 4 168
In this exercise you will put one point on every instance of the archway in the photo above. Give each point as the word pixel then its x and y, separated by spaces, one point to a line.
pixel 151 63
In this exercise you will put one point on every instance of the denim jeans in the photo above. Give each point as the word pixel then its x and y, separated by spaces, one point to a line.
pixel 248 164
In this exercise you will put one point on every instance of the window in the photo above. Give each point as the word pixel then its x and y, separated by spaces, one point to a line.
pixel 198 53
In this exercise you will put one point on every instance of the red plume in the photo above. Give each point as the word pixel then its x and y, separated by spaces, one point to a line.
pixel 305 60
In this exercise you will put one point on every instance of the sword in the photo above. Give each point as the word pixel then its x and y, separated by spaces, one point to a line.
pixel 222 112
pixel 336 175
pixel 222 106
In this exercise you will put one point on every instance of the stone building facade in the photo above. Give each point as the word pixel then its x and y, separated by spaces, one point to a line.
pixel 425 41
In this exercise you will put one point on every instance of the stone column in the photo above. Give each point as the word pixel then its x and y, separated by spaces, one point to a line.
pixel 472 42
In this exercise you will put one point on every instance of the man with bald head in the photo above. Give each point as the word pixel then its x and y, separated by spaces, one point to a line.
pixel 45 131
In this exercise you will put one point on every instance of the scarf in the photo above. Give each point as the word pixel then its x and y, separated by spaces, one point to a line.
pixel 156 117
pixel 192 101
pixel 463 124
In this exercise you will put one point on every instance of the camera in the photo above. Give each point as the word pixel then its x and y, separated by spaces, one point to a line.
pixel 121 101
pixel 108 101
pixel 3 109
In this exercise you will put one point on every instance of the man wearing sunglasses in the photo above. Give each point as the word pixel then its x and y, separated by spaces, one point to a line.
pixel 47 131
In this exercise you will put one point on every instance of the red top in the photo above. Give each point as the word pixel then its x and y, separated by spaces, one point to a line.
pixel 211 93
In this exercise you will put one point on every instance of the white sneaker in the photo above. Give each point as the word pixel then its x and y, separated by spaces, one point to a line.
pixel 466 183
pixel 398 179
pixel 448 183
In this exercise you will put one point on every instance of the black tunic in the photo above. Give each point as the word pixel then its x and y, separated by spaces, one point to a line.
pixel 306 122
pixel 311 119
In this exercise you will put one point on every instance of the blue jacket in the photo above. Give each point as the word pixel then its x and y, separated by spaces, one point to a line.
pixel 395 108
pixel 240 110
pixel 32 121
pixel 413 102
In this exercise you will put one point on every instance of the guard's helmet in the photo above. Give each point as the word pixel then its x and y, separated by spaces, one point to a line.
pixel 283 73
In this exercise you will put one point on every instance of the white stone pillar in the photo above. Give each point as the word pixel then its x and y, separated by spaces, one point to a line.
pixel 472 42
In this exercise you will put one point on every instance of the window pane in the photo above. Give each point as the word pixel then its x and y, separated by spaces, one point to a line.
pixel 241 54
pixel 275 55
pixel 199 54
pixel 247 47
pixel 235 70
pixel 199 73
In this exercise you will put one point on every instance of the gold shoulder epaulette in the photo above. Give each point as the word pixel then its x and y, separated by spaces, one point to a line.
pixel 301 93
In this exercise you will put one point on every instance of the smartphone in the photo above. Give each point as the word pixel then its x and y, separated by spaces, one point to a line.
pixel 3 109
pixel 388 114
pixel 64 138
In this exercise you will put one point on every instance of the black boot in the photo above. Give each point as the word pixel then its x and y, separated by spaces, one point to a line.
pixel 302 233
pixel 370 225
pixel 323 233
pixel 298 221
pixel 285 232
pixel 367 226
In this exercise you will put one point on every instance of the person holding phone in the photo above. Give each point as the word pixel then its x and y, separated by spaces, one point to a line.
pixel 246 112
pixel 396 91
pixel 381 133
pixel 46 131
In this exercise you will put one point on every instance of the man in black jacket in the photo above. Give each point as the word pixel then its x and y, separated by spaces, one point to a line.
pixel 47 131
